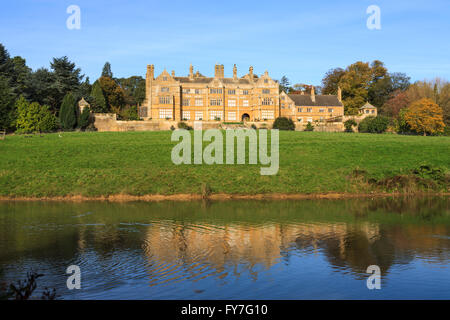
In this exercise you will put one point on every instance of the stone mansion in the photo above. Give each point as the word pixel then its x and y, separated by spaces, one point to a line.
pixel 250 97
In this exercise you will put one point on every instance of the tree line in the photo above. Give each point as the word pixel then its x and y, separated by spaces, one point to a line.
pixel 47 99
pixel 422 107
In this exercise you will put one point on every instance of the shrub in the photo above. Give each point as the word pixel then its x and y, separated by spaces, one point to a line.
pixel 183 125
pixel 32 117
pixel 253 126
pixel 67 113
pixel 172 128
pixel 309 127
pixel 371 124
pixel 282 123
pixel 83 120
pixel 349 124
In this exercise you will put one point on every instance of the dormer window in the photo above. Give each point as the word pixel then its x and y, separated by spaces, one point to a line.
pixel 164 78
pixel 266 81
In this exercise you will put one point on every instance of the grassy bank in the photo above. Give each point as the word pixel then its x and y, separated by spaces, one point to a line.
pixel 139 163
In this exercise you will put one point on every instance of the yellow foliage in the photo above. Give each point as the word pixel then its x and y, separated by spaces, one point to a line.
pixel 425 116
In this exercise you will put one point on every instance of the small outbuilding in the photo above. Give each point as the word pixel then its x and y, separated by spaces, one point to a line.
pixel 368 110
pixel 83 104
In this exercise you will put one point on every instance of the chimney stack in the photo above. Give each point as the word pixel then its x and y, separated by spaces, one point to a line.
pixel 234 72
pixel 173 73
pixel 339 94
pixel 191 72
pixel 150 71
pixel 250 73
pixel 219 71
pixel 313 94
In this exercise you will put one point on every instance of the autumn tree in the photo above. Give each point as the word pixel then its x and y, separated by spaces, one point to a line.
pixel 331 80
pixel 114 94
pixel 424 116
pixel 399 100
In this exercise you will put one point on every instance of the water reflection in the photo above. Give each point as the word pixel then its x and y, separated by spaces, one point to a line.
pixel 128 249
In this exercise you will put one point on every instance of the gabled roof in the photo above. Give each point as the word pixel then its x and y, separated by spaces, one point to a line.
pixel 368 106
pixel 321 100
pixel 208 80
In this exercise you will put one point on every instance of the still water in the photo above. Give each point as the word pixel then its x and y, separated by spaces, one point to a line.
pixel 314 249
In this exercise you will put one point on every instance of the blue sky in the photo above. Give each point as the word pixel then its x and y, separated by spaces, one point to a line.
pixel 299 39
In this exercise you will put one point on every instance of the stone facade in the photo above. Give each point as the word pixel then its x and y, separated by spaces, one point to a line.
pixel 196 97
pixel 304 108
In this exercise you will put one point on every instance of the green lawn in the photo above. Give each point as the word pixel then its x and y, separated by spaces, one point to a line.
pixel 138 163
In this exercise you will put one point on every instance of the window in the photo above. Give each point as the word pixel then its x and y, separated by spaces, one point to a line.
pixel 267 102
pixel 309 119
pixel 282 98
pixel 373 111
pixel 199 102
pixel 197 91
pixel 266 91
pixel 215 102
pixel 232 103
pixel 231 115
pixel 215 91
pixel 164 78
pixel 245 92
pixel 198 115
pixel 232 91
pixel 186 90
pixel 299 109
pixel 321 119
pixel 267 114
pixel 186 102
pixel 165 100
pixel 186 115
pixel 266 81
pixel 330 110
pixel 215 115
pixel 367 111
pixel 164 89
pixel 322 110
pixel 165 113
pixel 245 103
pixel 308 110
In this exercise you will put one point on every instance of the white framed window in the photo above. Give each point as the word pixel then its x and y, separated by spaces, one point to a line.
pixel 267 102
pixel 232 115
pixel 232 103
pixel 198 115
pixel 300 109
pixel 309 119
pixel 215 91
pixel 330 110
pixel 245 92
pixel 165 113
pixel 322 110
pixel 199 102
pixel 214 115
pixel 308 110
pixel 245 103
pixel 215 102
pixel 165 100
pixel 267 114
pixel 186 102
pixel 186 90
pixel 187 115
pixel 231 91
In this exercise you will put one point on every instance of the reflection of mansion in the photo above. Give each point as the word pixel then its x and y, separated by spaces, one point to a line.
pixel 252 98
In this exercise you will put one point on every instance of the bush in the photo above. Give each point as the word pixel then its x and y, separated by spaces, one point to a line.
pixel 282 123
pixel 309 127
pixel 183 125
pixel 32 117
pixel 373 124
pixel 68 113
pixel 349 124
pixel 83 120
pixel 253 126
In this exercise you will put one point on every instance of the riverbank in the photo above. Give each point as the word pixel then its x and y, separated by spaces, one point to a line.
pixel 227 197
pixel 138 166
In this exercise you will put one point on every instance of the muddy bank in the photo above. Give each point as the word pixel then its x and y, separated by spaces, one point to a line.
pixel 222 197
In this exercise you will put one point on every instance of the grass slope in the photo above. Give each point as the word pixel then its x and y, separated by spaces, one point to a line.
pixel 138 163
